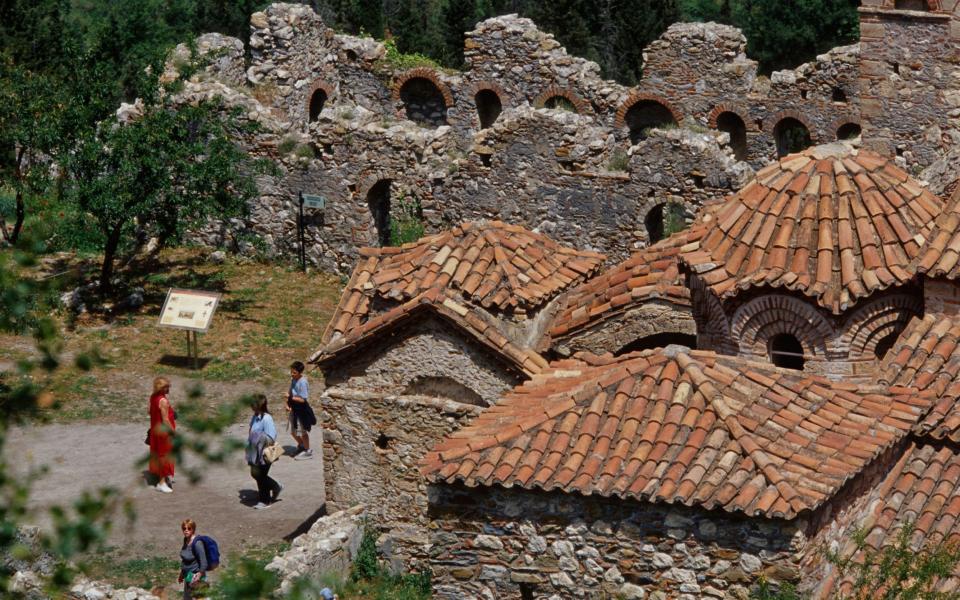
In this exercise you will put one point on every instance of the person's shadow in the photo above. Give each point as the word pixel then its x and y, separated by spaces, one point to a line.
pixel 248 497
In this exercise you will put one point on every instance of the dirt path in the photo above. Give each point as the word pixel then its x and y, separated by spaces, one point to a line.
pixel 87 456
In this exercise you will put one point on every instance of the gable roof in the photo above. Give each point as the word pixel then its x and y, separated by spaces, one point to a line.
pixel 472 274
pixel 677 426
pixel 831 223
pixel 651 274
pixel 476 323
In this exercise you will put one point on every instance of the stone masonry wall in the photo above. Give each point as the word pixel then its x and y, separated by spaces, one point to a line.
pixel 429 349
pixel 372 444
pixel 504 544
pixel 650 319
pixel 573 175
pixel 910 96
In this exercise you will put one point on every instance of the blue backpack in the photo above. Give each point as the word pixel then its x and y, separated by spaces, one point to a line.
pixel 210 548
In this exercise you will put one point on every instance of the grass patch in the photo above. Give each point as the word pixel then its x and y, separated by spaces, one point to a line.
pixel 140 572
pixel 269 316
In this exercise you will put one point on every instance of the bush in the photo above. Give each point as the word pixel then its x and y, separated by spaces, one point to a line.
pixel 619 161
pixel 407 226
pixel 396 60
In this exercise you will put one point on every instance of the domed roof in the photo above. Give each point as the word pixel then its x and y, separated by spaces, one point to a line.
pixel 833 223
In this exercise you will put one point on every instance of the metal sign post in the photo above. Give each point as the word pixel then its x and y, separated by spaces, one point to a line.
pixel 306 201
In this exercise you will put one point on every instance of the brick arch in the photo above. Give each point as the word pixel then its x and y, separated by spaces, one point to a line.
pixel 582 106
pixel 491 86
pixel 736 109
pixel 842 120
pixel 874 321
pixel 756 322
pixel 319 84
pixel 771 122
pixel 713 328
pixel 619 120
pixel 369 178
pixel 422 73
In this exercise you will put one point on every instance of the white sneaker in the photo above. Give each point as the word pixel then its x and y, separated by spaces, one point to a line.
pixel 163 487
pixel 260 506
pixel 305 455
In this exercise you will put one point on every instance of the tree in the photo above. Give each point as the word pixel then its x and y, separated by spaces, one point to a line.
pixel 164 172
pixel 458 17
pixel 782 34
pixel 29 133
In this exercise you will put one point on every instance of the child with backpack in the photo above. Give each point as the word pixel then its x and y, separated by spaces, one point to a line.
pixel 198 556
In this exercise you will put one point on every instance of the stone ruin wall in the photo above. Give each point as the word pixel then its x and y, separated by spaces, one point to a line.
pixel 507 544
pixel 372 444
pixel 909 84
pixel 573 176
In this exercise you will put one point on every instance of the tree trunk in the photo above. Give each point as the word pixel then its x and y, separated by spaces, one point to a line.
pixel 21 213
pixel 109 255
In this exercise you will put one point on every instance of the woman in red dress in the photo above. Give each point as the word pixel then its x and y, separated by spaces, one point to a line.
pixel 162 427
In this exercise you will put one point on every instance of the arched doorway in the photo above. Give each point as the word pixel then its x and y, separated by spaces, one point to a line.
pixel 423 102
pixel 791 136
pixel 732 124
pixel 645 115
pixel 489 107
pixel 848 131
pixel 921 5
pixel 786 351
pixel 317 100
pixel 378 201
pixel 664 220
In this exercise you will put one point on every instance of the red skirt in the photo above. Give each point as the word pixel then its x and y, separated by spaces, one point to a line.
pixel 161 462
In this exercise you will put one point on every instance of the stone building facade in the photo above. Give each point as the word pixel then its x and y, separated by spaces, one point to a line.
pixel 376 140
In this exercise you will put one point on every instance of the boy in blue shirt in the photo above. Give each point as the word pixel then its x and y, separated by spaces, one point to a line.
pixel 301 415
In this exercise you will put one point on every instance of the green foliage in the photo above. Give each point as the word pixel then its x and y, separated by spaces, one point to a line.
pixel 159 174
pixel 401 61
pixel 674 218
pixel 406 222
pixel 782 34
pixel 366 565
pixel 767 591
pixel 898 571
pixel 245 580
pixel 619 161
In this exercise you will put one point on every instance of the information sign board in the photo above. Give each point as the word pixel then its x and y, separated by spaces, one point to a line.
pixel 313 201
pixel 189 309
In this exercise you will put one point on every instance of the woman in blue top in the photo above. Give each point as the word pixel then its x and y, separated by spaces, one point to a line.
pixel 263 432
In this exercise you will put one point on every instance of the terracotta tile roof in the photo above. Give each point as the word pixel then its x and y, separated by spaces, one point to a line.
pixel 474 322
pixel 926 355
pixel 677 426
pixel 485 268
pixel 649 274
pixel 941 254
pixel 923 488
pixel 830 223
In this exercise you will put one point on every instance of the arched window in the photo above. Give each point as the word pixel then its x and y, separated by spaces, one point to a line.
pixel 444 387
pixel 424 102
pixel 839 95
pixel 560 103
pixel 488 107
pixel 378 201
pixel 732 124
pixel 786 351
pixel 645 115
pixel 848 131
pixel 317 100
pixel 664 220
pixel 658 340
pixel 885 344
pixel 791 136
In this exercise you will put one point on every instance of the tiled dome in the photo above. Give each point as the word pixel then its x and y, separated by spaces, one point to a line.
pixel 832 223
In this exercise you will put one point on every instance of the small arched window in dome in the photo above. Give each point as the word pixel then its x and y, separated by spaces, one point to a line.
pixel 885 344
pixel 786 351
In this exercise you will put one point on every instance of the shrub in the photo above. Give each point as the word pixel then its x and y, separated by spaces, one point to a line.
pixel 407 224
pixel 396 60
pixel 619 161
